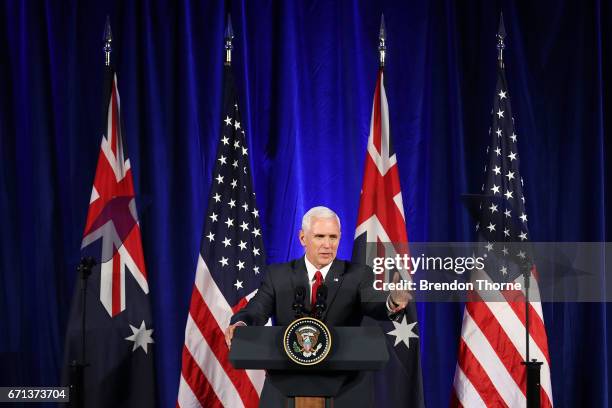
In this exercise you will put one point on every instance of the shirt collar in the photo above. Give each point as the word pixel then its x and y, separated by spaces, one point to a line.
pixel 311 269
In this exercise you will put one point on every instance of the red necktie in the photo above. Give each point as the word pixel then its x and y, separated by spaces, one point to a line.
pixel 318 281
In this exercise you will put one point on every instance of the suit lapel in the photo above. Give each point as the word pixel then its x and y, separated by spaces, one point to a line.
pixel 333 280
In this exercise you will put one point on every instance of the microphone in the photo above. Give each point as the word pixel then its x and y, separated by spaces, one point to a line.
pixel 321 304
pixel 298 301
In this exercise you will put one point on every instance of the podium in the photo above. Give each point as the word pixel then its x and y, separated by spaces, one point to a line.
pixel 353 349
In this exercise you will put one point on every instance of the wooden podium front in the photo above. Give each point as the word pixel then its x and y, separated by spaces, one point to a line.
pixel 309 402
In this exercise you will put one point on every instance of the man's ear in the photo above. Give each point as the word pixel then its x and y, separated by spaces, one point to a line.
pixel 301 236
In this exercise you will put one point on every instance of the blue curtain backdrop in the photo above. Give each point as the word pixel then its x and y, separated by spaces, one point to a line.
pixel 306 73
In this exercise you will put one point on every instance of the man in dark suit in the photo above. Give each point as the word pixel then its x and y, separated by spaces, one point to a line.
pixel 350 296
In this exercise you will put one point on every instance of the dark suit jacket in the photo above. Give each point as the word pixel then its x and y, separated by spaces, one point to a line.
pixel 350 297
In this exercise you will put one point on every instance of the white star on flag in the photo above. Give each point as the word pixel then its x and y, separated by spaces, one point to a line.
pixel 141 337
pixel 403 332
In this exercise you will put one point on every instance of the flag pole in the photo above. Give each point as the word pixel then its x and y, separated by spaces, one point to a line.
pixel 382 48
pixel 532 365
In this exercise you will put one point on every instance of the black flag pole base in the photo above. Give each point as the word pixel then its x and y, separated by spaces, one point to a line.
pixel 75 389
pixel 533 382
pixel 77 368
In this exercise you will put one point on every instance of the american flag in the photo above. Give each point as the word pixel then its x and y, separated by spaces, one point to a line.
pixel 119 334
pixel 381 220
pixel 229 271
pixel 492 345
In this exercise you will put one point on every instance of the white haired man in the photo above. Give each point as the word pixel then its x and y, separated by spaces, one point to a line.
pixel 350 296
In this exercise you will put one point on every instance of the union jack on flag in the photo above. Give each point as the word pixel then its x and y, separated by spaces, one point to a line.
pixel 112 216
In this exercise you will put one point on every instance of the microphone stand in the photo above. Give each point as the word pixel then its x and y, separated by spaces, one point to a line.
pixel 320 306
pixel 298 303
pixel 77 368
pixel 532 365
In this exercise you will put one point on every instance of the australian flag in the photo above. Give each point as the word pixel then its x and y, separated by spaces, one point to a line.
pixel 381 227
pixel 117 351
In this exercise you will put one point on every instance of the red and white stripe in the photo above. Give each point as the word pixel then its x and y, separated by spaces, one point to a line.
pixel 489 372
pixel 207 377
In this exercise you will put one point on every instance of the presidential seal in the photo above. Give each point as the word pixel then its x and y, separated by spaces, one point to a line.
pixel 307 341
